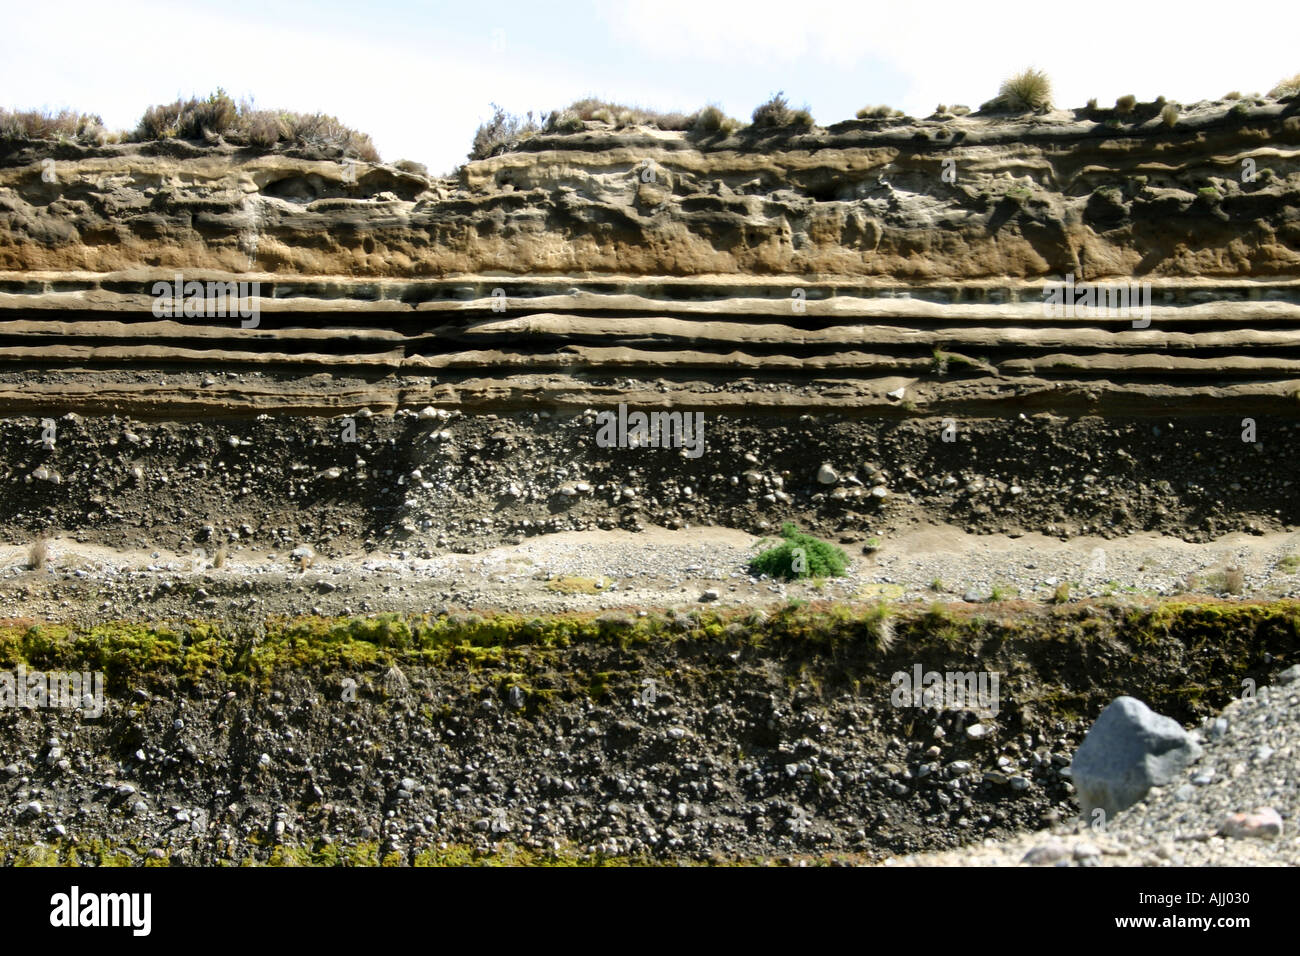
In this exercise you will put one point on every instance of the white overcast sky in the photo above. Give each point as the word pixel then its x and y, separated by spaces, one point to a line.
pixel 419 76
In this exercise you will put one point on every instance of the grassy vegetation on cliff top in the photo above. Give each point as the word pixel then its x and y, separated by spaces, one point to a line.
pixel 219 116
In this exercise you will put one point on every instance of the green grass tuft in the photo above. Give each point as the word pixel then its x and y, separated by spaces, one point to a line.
pixel 821 559
pixel 1025 92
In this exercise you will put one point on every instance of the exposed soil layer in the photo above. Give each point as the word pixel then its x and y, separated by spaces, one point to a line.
pixel 429 482
pixel 664 737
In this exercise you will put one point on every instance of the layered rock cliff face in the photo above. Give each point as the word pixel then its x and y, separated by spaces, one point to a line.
pixel 1021 199
pixel 867 256
pixel 873 275
pixel 856 312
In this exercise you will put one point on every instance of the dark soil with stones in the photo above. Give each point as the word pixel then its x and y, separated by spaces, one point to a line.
pixel 467 482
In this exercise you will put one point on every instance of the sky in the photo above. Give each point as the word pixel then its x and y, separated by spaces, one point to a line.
pixel 420 76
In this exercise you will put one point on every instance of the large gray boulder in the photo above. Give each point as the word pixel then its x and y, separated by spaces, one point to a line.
pixel 1129 750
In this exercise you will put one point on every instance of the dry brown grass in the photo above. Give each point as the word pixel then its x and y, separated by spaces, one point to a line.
pixel 1289 87
pixel 243 124
pixel 711 119
pixel 619 115
pixel 38 554
pixel 776 112
pixel 1229 580
pixel 85 128
pixel 1234 580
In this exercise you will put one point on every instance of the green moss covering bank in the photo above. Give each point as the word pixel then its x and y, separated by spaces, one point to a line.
pixel 1182 657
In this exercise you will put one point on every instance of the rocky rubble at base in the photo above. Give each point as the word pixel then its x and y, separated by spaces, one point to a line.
pixel 1236 805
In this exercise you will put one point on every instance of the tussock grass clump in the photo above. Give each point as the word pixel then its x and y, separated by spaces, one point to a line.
pixel 800 556
pixel 1230 580
pixel 802 118
pixel 887 112
pixel 712 119
pixel 620 115
pixel 776 113
pixel 1126 103
pixel 563 121
pixel 1169 116
pixel 1288 87
pixel 1234 580
pixel 38 554
pixel 1024 92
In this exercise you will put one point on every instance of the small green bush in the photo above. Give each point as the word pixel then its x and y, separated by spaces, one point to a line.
pixel 823 559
